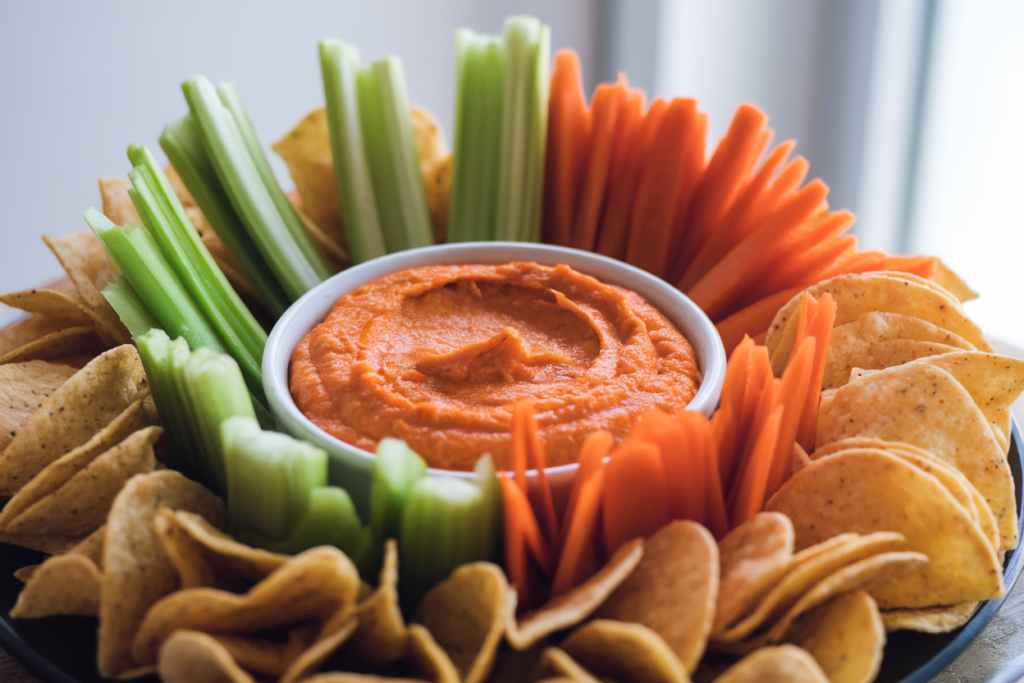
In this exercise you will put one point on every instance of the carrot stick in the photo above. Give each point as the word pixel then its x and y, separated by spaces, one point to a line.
pixel 568 139
pixel 717 517
pixel 679 451
pixel 861 262
pixel 736 371
pixel 594 450
pixel 580 557
pixel 752 429
pixel 754 319
pixel 792 397
pixel 827 255
pixel 725 236
pixel 694 441
pixel 922 266
pixel 523 539
pixel 657 195
pixel 608 100
pixel 728 278
pixel 818 327
pixel 614 232
pixel 524 417
pixel 751 491
pixel 725 436
pixel 634 500
pixel 720 184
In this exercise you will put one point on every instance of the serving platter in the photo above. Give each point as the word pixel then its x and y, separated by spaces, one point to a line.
pixel 63 649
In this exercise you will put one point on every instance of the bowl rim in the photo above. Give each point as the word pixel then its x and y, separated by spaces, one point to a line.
pixel 704 338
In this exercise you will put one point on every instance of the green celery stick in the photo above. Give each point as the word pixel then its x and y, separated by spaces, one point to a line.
pixel 524 129
pixel 480 88
pixel 492 514
pixel 270 476
pixel 216 389
pixel 386 124
pixel 130 308
pixel 228 93
pixel 166 219
pixel 249 196
pixel 330 520
pixel 143 264
pixel 395 470
pixel 183 143
pixel 339 62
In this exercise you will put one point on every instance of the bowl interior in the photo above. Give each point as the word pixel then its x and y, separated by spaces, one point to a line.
pixel 351 467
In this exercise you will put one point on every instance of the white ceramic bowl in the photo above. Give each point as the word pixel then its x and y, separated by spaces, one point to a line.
pixel 351 467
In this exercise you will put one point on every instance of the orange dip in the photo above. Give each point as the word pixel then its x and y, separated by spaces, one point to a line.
pixel 437 356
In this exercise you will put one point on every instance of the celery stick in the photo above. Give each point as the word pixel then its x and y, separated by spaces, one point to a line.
pixel 130 308
pixel 339 62
pixel 249 196
pixel 386 123
pixel 524 129
pixel 180 243
pixel 228 93
pixel 182 142
pixel 480 67
pixel 143 264
pixel 330 520
pixel 491 516
pixel 270 476
pixel 216 389
pixel 396 469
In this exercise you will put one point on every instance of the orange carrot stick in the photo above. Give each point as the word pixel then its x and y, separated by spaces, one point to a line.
pixel 524 417
pixel 693 445
pixel 726 438
pixel 751 491
pixel 818 327
pixel 736 371
pixel 717 517
pixel 634 500
pixel 752 320
pixel 922 266
pixel 608 100
pixel 568 139
pixel 861 262
pixel 614 232
pixel 793 391
pixel 594 450
pixel 580 557
pixel 523 540
pixel 657 195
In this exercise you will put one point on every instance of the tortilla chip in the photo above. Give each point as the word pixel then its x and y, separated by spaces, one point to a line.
pixel 193 657
pixel 624 652
pixel 428 660
pixel 48 302
pixel 844 356
pixel 63 584
pixel 783 663
pixel 947 279
pixel 929 619
pixel 557 661
pixel 437 182
pixel 310 660
pixel 23 388
pixel 117 204
pixel 576 604
pixel 867 490
pixel 137 572
pixel 466 614
pixel 430 143
pixel 80 505
pixel 925 406
pixel 30 329
pixel 71 415
pixel 673 591
pixel 753 557
pixel 85 260
pixel 845 636
pixel 69 341
pixel 314 586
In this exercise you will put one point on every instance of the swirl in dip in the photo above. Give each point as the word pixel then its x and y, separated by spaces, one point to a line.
pixel 439 355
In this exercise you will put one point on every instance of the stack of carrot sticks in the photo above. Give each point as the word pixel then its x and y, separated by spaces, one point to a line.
pixel 739 231
pixel 718 471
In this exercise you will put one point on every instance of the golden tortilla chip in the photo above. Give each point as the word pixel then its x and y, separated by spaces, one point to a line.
pixel 844 355
pixel 673 591
pixel 69 341
pixel 925 406
pixel 80 505
pixel 624 652
pixel 117 204
pixel 783 663
pixel 193 657
pixel 63 584
pixel 466 614
pixel 557 661
pixel 71 415
pixel 929 619
pixel 136 570
pixel 753 557
pixel 310 660
pixel 314 586
pixel 437 182
pixel 48 302
pixel 431 147
pixel 845 636
pixel 428 660
pixel 575 605
pixel 206 557
pixel 265 656
pixel 23 388
pixel 85 260
pixel 951 282
pixel 25 331
pixel 867 490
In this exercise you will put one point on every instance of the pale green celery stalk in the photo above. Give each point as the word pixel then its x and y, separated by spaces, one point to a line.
pixel 524 129
pixel 270 476
pixel 179 241
pixel 249 196
pixel 480 88
pixel 228 93
pixel 183 143
pixel 339 62
pixel 157 353
pixel 216 389
pixel 386 123
pixel 130 308
pixel 330 520
pixel 137 255
pixel 447 522
pixel 395 470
